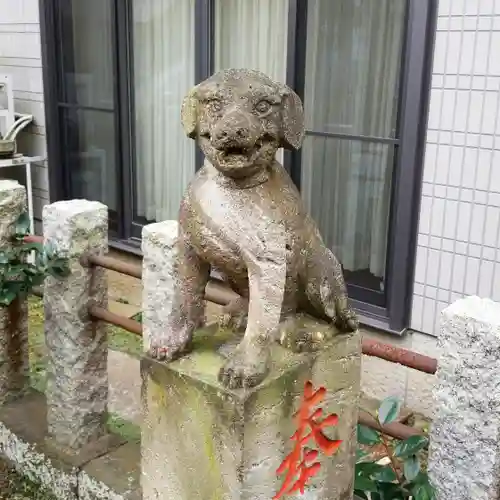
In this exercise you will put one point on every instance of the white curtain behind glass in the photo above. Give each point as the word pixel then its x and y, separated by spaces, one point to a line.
pixel 252 34
pixel 164 73
pixel 353 60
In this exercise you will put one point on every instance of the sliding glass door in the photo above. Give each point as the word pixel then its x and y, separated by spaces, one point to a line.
pixel 352 92
pixel 163 72
pixel 86 102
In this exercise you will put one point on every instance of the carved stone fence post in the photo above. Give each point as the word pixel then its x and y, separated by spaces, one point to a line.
pixel 464 462
pixel 14 363
pixel 202 440
pixel 77 380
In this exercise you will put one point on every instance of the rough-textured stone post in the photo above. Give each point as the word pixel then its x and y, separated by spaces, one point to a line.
pixel 77 385
pixel 14 363
pixel 202 440
pixel 158 277
pixel 464 461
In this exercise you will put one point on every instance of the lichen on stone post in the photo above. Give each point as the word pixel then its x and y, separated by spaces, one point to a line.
pixel 464 460
pixel 77 347
pixel 14 362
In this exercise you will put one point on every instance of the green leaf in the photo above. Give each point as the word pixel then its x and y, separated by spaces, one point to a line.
pixel 360 454
pixel 368 469
pixel 364 484
pixel 410 446
pixel 387 475
pixel 389 410
pixel 49 250
pixel 388 491
pixel 422 489
pixel 7 297
pixel 361 494
pixel 411 467
pixel 22 224
pixel 367 436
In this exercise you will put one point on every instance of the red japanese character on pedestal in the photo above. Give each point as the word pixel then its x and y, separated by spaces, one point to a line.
pixel 297 464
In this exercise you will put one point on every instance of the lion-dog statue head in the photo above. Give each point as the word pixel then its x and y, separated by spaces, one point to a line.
pixel 241 118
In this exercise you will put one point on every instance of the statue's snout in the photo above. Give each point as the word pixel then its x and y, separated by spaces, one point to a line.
pixel 236 129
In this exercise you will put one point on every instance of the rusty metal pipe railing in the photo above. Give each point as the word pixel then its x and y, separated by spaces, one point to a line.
pixel 400 356
pixel 113 264
pixel 131 325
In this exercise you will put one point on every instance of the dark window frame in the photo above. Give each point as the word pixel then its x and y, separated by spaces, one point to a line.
pixel 415 90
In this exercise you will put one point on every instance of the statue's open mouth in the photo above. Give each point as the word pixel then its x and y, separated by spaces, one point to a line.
pixel 241 152
pixel 237 150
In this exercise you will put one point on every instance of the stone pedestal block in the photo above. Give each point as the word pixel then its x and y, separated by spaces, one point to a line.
pixel 14 363
pixel 464 462
pixel 203 441
pixel 77 348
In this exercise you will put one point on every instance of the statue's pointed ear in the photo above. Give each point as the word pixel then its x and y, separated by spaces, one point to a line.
pixel 189 113
pixel 293 119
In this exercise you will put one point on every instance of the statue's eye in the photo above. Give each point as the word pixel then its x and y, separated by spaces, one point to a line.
pixel 215 105
pixel 263 106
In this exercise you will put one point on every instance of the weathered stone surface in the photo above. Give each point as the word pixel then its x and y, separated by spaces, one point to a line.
pixel 201 440
pixel 464 461
pixel 107 474
pixel 114 476
pixel 160 283
pixel 77 383
pixel 23 427
pixel 14 363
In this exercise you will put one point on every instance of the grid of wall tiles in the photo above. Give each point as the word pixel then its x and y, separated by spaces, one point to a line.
pixel 20 56
pixel 459 229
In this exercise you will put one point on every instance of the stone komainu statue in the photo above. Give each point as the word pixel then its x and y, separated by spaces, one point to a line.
pixel 243 216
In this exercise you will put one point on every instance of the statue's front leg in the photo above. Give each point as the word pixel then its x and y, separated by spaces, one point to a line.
pixel 188 309
pixel 249 363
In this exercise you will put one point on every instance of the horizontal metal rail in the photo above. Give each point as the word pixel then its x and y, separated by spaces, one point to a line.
pixel 131 325
pixel 400 356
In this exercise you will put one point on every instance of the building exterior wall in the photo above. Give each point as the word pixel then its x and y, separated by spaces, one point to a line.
pixel 458 232
pixel 20 56
pixel 458 250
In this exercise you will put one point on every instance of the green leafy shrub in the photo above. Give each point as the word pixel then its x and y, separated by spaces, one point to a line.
pixel 402 478
pixel 18 275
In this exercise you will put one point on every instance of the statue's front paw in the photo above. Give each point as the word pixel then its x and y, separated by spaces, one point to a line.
pixel 304 336
pixel 245 368
pixel 166 351
pixel 347 320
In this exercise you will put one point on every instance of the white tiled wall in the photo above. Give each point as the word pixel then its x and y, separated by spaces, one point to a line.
pixel 458 237
pixel 20 56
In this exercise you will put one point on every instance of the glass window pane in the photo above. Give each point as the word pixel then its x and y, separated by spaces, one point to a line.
pixel 163 43
pixel 87 52
pixel 353 60
pixel 252 34
pixel 90 155
pixel 346 186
